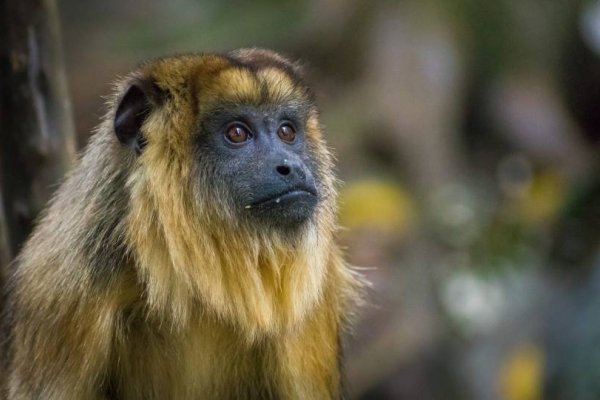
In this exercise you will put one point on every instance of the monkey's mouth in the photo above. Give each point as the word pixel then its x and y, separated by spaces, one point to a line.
pixel 303 195
pixel 285 208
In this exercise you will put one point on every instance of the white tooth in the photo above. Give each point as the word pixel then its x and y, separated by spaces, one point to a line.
pixel 248 206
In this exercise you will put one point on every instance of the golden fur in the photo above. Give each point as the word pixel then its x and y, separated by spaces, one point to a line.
pixel 140 283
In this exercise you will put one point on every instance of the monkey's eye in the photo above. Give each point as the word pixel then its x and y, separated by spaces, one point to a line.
pixel 286 133
pixel 237 133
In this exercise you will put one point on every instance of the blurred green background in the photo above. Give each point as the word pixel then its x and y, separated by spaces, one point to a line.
pixel 467 135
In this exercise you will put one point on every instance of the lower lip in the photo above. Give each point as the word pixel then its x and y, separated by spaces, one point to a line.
pixel 286 198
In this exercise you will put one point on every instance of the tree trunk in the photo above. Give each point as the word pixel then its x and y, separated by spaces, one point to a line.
pixel 37 141
pixel 4 252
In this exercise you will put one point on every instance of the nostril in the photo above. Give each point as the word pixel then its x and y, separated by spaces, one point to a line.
pixel 283 169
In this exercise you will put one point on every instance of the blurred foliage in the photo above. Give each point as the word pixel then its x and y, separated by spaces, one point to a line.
pixel 221 24
pixel 543 200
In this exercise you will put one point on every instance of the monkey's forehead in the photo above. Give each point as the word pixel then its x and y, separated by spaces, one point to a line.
pixel 242 85
pixel 246 76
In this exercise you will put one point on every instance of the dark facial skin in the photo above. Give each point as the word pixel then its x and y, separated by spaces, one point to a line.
pixel 261 158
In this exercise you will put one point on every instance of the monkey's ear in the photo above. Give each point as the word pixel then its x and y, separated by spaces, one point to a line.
pixel 132 111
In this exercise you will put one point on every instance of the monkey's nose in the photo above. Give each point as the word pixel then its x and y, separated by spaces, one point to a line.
pixel 292 171
pixel 283 170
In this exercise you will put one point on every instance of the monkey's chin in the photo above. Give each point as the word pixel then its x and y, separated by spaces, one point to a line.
pixel 287 210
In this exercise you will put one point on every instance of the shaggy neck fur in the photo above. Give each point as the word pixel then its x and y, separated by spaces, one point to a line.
pixel 259 280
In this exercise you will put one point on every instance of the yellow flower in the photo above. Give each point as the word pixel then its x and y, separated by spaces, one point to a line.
pixel 376 204
pixel 521 373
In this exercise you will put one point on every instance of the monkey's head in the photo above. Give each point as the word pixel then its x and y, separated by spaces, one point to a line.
pixel 242 127
pixel 229 179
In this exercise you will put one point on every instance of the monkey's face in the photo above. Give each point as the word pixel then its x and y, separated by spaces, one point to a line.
pixel 259 158
pixel 246 125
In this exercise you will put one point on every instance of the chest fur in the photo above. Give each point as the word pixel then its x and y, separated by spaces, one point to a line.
pixel 209 360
